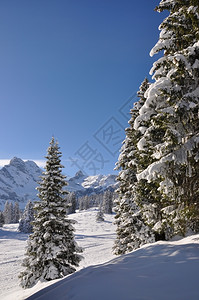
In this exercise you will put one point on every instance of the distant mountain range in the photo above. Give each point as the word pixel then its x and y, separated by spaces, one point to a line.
pixel 82 184
pixel 19 179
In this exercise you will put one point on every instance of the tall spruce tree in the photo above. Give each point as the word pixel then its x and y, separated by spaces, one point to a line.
pixel 132 232
pixel 159 159
pixel 52 251
pixel 171 110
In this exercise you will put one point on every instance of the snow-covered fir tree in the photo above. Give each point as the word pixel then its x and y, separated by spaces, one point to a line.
pixel 2 221
pixel 72 203
pixel 131 232
pixel 100 216
pixel 8 213
pixel 16 212
pixel 145 194
pixel 25 223
pixel 12 213
pixel 107 204
pixel 52 251
pixel 171 112
pixel 159 158
pixel 84 202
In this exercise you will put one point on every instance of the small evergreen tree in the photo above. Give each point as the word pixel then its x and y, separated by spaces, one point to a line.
pixel 7 213
pixel 100 216
pixel 16 213
pixel 107 203
pixel 72 203
pixel 25 223
pixel 81 203
pixel 12 213
pixel 52 251
pixel 84 202
pixel 2 222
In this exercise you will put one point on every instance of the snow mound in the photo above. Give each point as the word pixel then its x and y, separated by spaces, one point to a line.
pixel 164 270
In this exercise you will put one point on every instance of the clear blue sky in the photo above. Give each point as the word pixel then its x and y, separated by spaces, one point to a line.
pixel 68 68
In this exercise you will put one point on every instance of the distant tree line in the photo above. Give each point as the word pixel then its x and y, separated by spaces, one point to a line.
pixel 10 214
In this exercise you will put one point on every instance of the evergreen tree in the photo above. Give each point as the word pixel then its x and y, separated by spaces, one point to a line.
pixel 52 251
pixel 172 133
pixel 25 223
pixel 159 163
pixel 12 213
pixel 81 203
pixel 2 221
pixel 100 216
pixel 107 203
pixel 7 213
pixel 84 202
pixel 72 203
pixel 16 213
pixel 132 232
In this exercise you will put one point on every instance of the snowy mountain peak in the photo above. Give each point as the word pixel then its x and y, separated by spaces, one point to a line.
pixel 79 174
pixel 18 181
pixel 17 163
pixel 82 184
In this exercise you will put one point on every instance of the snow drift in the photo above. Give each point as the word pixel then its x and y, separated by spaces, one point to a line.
pixel 164 270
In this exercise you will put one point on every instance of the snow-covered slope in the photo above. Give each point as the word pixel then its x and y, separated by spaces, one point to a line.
pixel 159 271
pixel 19 179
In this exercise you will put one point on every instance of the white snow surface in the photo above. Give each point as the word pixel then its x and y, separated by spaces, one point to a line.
pixel 159 271
pixel 96 238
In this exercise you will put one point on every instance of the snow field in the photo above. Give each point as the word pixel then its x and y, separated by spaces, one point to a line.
pixel 96 239
pixel 12 246
pixel 158 271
